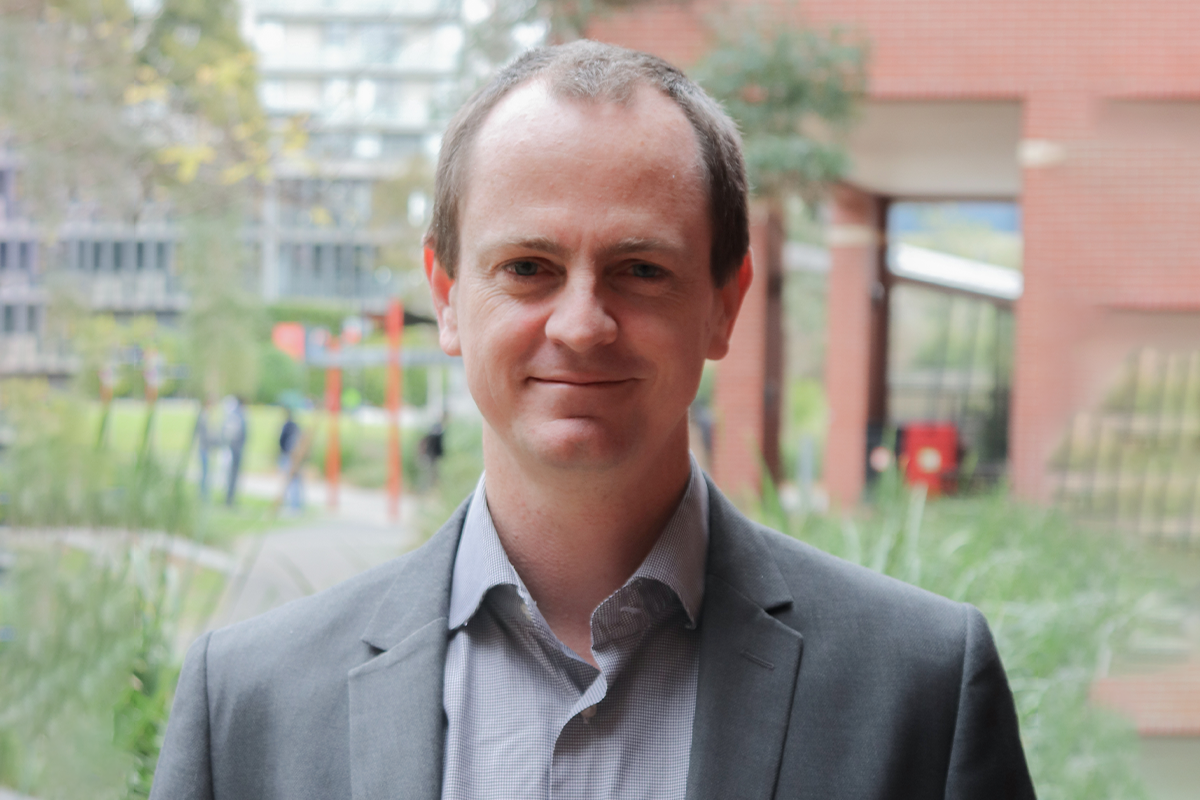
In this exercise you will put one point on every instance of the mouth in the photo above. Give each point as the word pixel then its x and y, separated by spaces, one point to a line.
pixel 582 381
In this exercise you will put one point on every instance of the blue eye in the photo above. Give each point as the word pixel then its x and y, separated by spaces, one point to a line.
pixel 645 271
pixel 525 269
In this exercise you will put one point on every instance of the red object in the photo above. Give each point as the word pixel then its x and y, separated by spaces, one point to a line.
pixel 395 377
pixel 930 454
pixel 333 405
pixel 289 337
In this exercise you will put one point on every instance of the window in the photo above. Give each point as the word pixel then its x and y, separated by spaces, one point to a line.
pixel 31 318
pixel 10 319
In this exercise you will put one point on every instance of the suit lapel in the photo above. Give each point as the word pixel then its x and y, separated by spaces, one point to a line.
pixel 748 664
pixel 397 724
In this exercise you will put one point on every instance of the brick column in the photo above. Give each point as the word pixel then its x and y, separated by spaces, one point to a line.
pixel 1049 320
pixel 740 394
pixel 854 250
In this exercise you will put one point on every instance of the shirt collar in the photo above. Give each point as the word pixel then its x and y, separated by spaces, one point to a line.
pixel 677 558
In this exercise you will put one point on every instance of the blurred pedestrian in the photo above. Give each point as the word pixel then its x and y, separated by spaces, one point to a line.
pixel 203 439
pixel 290 456
pixel 233 432
pixel 431 450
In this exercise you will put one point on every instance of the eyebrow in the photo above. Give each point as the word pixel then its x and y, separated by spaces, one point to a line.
pixel 632 244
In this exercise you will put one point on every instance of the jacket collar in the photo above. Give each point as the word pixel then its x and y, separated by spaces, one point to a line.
pixel 397 725
pixel 749 662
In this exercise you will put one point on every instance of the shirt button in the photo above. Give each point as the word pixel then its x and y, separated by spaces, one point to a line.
pixel 527 611
pixel 588 712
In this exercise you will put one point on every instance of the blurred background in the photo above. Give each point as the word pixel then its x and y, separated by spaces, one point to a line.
pixel 970 358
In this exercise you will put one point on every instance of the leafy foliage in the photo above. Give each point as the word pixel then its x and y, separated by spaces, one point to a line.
pixel 224 317
pixel 57 472
pixel 64 68
pixel 87 673
pixel 793 91
pixel 1058 599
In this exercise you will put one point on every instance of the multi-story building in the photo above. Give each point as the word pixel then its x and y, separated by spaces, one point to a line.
pixel 23 291
pixel 364 78
pixel 113 267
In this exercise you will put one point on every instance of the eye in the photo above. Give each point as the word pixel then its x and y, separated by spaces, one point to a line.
pixel 645 271
pixel 524 269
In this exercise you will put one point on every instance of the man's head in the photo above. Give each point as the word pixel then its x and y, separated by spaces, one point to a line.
pixel 579 285
pixel 594 72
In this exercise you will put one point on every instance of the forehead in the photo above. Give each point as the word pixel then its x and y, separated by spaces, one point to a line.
pixel 542 150
pixel 537 103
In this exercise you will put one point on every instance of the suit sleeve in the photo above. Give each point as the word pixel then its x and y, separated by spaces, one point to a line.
pixel 986 760
pixel 184 769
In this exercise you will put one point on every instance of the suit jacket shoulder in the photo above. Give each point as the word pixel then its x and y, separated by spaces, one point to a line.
pixel 264 708
pixel 872 687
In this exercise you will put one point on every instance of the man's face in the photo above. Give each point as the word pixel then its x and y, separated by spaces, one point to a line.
pixel 583 304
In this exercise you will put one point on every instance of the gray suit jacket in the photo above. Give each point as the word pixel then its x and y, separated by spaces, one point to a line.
pixel 818 679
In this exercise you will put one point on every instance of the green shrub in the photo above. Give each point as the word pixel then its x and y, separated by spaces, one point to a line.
pixel 88 670
pixel 278 375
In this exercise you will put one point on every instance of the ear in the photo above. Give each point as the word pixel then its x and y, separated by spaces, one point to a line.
pixel 441 286
pixel 726 305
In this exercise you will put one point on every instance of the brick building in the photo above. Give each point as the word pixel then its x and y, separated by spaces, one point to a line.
pixel 1085 112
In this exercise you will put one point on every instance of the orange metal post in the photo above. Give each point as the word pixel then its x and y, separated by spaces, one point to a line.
pixel 395 377
pixel 333 405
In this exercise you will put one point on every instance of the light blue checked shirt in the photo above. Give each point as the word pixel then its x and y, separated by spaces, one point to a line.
pixel 529 719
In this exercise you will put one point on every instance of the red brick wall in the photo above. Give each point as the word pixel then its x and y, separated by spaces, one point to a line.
pixel 853 272
pixel 1114 225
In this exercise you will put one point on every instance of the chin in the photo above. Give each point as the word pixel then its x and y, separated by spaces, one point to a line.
pixel 579 444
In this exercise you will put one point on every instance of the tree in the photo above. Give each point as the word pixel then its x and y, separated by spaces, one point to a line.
pixel 116 117
pixel 793 92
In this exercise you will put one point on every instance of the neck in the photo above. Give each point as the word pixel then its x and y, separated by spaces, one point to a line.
pixel 575 536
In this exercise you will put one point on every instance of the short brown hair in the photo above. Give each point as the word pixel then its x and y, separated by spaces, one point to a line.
pixel 589 70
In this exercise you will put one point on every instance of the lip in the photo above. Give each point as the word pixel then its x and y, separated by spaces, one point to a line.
pixel 582 381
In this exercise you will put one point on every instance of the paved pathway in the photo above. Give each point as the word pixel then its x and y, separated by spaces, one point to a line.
pixel 293 562
pixel 325 547
pixel 354 504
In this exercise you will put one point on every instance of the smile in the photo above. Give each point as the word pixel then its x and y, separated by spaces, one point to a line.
pixel 583 382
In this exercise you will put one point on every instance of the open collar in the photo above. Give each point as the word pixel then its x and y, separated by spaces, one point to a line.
pixel 677 558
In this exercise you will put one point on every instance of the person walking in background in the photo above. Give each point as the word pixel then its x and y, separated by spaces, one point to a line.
pixel 233 431
pixel 203 440
pixel 289 457
pixel 432 449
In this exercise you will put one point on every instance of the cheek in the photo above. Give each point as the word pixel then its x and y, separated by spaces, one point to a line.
pixel 499 334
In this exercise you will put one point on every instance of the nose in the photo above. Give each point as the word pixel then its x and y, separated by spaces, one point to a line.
pixel 579 319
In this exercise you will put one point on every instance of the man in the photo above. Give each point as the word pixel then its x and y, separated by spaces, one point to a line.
pixel 291 456
pixel 203 440
pixel 233 431
pixel 597 620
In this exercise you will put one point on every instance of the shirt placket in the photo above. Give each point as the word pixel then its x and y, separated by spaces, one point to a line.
pixel 618 626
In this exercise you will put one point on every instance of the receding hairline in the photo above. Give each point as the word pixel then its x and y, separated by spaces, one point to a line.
pixel 627 100
pixel 598 73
